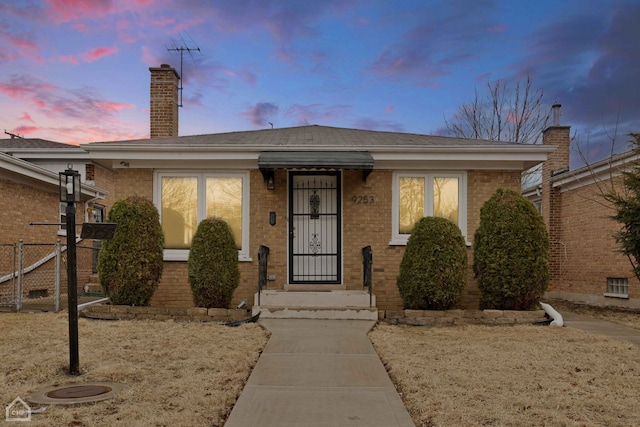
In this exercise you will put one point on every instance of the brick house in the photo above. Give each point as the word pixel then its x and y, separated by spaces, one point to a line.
pixel 29 191
pixel 586 264
pixel 29 183
pixel 314 195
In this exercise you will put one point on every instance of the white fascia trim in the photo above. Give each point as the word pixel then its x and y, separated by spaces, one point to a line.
pixel 598 172
pixel 45 176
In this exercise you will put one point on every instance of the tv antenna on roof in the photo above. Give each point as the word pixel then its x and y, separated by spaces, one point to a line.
pixel 183 47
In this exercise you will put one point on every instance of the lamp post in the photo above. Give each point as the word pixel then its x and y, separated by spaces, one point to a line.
pixel 70 194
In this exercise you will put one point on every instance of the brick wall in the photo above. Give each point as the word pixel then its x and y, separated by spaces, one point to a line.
pixel 104 178
pixel 582 247
pixel 588 253
pixel 23 204
pixel 363 224
pixel 163 102
pixel 133 182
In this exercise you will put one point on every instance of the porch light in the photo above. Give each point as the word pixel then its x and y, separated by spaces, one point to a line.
pixel 70 185
pixel 270 184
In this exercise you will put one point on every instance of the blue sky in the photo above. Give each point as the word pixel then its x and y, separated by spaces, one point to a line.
pixel 77 71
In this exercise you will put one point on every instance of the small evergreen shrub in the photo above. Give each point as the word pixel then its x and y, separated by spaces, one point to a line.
pixel 130 264
pixel 213 264
pixel 434 266
pixel 511 253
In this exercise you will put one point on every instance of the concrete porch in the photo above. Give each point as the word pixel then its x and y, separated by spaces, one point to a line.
pixel 330 304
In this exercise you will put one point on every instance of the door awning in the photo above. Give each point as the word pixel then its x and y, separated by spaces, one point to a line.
pixel 341 160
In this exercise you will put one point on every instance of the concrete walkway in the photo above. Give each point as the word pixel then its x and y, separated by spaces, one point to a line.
pixel 318 373
pixel 596 326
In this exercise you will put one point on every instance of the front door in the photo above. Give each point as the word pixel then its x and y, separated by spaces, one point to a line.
pixel 315 228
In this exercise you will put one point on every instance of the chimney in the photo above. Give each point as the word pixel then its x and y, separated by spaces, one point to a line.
pixel 163 116
pixel 557 163
pixel 559 136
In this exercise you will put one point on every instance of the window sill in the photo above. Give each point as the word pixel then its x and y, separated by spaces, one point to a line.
pixel 399 241
pixel 621 296
pixel 183 255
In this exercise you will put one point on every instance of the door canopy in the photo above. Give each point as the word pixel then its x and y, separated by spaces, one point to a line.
pixel 268 161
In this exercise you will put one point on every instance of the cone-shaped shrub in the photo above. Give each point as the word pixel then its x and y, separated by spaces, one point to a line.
pixel 213 264
pixel 130 264
pixel 434 266
pixel 511 253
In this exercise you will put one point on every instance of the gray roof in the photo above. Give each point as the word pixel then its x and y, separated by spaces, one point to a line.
pixel 311 136
pixel 29 143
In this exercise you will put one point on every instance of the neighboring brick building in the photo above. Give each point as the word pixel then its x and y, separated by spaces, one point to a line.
pixel 29 188
pixel 30 193
pixel 314 195
pixel 586 264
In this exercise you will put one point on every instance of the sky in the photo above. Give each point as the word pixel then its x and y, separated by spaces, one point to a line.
pixel 77 71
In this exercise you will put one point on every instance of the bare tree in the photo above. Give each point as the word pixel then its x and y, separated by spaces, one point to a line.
pixel 505 113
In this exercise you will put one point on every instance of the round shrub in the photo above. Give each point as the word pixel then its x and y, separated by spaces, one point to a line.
pixel 213 264
pixel 434 266
pixel 511 253
pixel 130 264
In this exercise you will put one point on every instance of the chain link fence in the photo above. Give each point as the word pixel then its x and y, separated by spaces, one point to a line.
pixel 33 276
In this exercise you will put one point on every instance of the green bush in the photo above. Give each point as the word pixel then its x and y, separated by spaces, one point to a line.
pixel 213 264
pixel 434 266
pixel 130 264
pixel 511 253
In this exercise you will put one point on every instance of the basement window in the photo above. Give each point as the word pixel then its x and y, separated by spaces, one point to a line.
pixel 617 287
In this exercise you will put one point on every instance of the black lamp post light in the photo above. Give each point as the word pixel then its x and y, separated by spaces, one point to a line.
pixel 70 194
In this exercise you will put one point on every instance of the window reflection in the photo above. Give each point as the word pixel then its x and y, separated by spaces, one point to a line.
pixel 179 210
pixel 445 198
pixel 411 202
pixel 224 200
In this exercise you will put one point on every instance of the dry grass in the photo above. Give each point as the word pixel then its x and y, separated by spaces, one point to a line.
pixel 511 376
pixel 178 374
pixel 621 316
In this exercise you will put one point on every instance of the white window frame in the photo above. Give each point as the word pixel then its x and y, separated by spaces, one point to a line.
pixel 183 254
pixel 398 239
pixel 615 287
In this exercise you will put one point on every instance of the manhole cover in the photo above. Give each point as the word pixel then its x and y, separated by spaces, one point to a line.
pixel 78 391
pixel 75 393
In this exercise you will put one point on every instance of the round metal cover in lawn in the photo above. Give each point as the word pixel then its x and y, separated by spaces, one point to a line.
pixel 75 393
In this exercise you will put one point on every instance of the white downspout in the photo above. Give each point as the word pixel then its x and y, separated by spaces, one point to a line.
pixel 86 205
pixel 557 317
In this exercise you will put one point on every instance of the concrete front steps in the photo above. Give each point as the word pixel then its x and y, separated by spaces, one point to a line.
pixel 348 305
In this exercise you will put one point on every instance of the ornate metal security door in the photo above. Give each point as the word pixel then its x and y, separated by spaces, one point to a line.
pixel 315 228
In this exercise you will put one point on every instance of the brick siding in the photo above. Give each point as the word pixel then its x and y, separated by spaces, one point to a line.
pixel 363 224
pixel 163 102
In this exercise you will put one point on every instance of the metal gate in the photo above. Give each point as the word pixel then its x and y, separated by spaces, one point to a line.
pixel 315 228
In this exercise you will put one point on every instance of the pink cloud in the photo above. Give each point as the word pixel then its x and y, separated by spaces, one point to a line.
pixel 497 29
pixel 19 88
pixel 389 108
pixel 483 77
pixel 22 41
pixel 113 106
pixel 26 130
pixel 97 53
pixel 25 118
pixel 70 59
pixel 72 10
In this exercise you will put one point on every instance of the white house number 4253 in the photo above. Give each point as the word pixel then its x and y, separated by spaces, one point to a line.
pixel 363 200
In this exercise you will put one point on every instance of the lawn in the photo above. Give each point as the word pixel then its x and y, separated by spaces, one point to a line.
pixel 190 374
pixel 477 375
pixel 177 373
